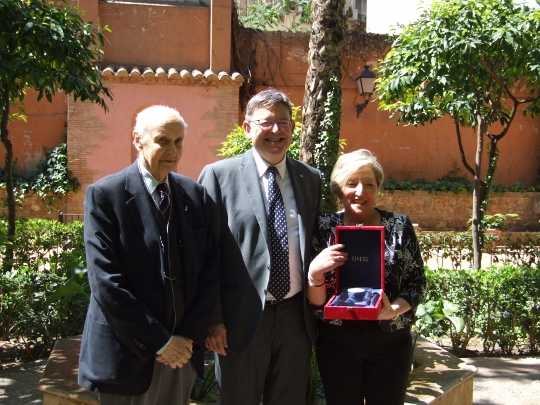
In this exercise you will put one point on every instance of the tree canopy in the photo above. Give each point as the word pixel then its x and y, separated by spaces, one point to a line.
pixel 464 58
pixel 477 61
pixel 48 48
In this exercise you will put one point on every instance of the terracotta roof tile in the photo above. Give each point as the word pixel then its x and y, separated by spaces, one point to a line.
pixel 172 75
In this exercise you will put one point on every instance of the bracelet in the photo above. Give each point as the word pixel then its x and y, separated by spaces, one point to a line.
pixel 311 281
pixel 317 285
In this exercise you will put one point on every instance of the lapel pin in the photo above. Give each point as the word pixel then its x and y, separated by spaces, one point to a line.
pixel 186 209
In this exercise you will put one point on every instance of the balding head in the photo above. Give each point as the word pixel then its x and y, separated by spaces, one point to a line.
pixel 158 135
pixel 156 115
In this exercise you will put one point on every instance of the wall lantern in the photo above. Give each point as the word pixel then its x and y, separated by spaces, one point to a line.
pixel 365 83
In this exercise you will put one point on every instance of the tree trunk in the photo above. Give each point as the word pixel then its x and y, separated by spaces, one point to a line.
pixel 478 196
pixel 7 262
pixel 322 96
pixel 492 166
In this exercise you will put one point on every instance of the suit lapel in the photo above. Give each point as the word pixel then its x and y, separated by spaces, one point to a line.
pixel 141 206
pixel 183 228
pixel 252 185
pixel 298 185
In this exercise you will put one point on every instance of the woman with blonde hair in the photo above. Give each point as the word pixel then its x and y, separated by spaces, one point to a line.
pixel 366 362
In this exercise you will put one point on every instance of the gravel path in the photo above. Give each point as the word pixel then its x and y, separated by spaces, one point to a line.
pixel 499 381
pixel 506 380
pixel 18 382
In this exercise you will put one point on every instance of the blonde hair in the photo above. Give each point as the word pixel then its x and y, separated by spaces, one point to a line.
pixel 153 115
pixel 348 164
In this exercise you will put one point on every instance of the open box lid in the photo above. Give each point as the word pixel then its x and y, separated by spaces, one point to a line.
pixel 365 265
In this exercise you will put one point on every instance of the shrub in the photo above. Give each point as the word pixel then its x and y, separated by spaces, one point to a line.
pixel 46 294
pixel 500 305
pixel 522 250
pixel 52 180
pixel 237 142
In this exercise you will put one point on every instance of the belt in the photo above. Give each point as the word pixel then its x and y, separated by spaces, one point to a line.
pixel 283 302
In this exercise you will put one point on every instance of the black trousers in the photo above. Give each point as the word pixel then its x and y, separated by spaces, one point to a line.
pixel 275 367
pixel 360 364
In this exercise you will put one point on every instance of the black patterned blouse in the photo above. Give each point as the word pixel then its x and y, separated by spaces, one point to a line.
pixel 404 268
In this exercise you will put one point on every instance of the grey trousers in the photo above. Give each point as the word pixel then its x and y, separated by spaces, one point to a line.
pixel 275 367
pixel 170 386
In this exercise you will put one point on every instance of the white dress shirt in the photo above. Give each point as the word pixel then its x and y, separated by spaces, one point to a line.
pixel 293 231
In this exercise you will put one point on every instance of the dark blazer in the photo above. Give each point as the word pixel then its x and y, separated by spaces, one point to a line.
pixel 126 323
pixel 234 185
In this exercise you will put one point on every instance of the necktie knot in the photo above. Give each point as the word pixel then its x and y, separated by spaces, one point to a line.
pixel 164 201
pixel 272 173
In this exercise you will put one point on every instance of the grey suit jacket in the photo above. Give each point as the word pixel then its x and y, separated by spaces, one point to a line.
pixel 234 185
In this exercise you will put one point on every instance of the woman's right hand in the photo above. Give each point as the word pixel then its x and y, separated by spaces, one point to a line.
pixel 328 260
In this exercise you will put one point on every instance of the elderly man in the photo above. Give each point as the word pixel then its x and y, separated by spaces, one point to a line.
pixel 150 246
pixel 271 204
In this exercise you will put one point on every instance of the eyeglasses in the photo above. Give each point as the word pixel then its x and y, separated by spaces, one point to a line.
pixel 266 125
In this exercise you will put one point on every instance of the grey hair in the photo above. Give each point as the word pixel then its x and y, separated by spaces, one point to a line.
pixel 155 114
pixel 349 163
pixel 268 98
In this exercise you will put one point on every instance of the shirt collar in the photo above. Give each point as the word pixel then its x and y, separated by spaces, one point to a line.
pixel 263 165
pixel 149 181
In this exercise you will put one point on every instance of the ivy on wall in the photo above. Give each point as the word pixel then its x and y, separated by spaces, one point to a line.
pixel 237 142
pixel 53 179
pixel 451 184
pixel 261 15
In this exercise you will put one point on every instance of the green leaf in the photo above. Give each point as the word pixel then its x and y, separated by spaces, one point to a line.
pixel 457 322
pixel 449 308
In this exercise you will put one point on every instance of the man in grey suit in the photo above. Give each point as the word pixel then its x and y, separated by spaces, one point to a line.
pixel 270 203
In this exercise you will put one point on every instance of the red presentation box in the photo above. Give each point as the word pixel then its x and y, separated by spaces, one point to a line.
pixel 360 281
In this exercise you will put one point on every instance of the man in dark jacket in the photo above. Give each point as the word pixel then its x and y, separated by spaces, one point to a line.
pixel 150 238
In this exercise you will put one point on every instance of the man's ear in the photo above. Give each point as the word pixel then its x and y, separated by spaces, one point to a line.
pixel 247 127
pixel 137 141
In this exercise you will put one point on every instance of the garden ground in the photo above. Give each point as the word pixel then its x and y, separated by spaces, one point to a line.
pixel 499 381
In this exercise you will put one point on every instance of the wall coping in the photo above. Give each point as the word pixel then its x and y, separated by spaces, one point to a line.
pixel 171 75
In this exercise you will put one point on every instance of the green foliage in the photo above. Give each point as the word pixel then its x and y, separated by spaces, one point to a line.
pixel 476 61
pixel 523 250
pixel 501 306
pixel 327 147
pixel 434 317
pixel 205 388
pixel 46 46
pixel 460 58
pixel 49 49
pixel 45 295
pixel 451 184
pixel 498 220
pixel 261 15
pixel 453 246
pixel 237 142
pixel 53 178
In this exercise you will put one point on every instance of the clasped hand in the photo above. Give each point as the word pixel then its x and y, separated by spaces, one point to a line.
pixel 177 352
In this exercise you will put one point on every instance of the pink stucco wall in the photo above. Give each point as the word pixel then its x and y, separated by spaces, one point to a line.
pixel 44 128
pixel 100 143
pixel 427 152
